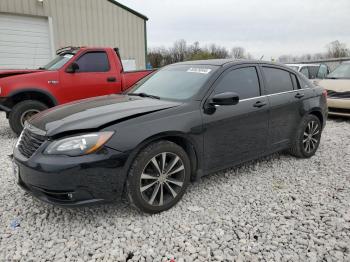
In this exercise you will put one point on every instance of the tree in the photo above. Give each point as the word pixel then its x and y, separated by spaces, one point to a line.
pixel 238 52
pixel 155 58
pixel 179 51
pixel 337 49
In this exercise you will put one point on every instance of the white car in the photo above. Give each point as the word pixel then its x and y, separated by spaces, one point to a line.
pixel 311 71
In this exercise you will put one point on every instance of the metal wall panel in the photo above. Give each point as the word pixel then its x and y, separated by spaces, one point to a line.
pixel 88 23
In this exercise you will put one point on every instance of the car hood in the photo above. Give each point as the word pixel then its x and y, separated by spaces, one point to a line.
pixel 14 72
pixel 95 113
pixel 338 85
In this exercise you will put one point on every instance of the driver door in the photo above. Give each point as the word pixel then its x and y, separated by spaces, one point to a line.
pixel 238 132
pixel 95 77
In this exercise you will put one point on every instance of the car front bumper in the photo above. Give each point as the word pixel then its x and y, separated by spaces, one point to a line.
pixel 338 106
pixel 73 181
pixel 3 106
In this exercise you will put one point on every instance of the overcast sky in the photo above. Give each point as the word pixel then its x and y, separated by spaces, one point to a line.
pixel 262 27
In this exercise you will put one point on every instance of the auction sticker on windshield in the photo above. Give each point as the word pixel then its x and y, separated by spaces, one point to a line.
pixel 199 70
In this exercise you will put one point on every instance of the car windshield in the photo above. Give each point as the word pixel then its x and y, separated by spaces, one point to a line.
pixel 58 62
pixel 342 71
pixel 177 82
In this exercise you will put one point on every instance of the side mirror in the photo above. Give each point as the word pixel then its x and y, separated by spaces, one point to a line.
pixel 224 99
pixel 72 68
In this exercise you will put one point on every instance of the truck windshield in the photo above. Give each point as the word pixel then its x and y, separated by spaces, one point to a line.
pixel 177 82
pixel 342 71
pixel 58 62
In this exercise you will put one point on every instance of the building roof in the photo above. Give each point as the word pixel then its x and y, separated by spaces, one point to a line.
pixel 129 9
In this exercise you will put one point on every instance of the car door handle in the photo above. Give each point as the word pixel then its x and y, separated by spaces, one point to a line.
pixel 299 95
pixel 260 104
pixel 111 79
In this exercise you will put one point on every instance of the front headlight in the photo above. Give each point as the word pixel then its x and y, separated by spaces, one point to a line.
pixel 78 145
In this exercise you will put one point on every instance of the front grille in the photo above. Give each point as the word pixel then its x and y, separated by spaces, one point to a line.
pixel 29 142
pixel 341 95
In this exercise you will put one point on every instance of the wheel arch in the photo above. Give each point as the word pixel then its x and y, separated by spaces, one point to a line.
pixel 318 114
pixel 31 94
pixel 179 138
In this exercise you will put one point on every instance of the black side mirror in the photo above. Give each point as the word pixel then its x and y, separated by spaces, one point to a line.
pixel 72 68
pixel 224 99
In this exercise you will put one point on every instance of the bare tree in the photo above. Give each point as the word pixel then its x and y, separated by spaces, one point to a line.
pixel 238 52
pixel 337 49
pixel 179 51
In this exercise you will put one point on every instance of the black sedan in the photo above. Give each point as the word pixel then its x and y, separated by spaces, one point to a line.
pixel 183 122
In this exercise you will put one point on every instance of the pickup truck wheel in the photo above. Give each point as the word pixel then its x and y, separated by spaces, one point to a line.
pixel 22 112
pixel 158 177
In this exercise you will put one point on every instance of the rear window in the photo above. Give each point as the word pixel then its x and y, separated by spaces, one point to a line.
pixel 277 80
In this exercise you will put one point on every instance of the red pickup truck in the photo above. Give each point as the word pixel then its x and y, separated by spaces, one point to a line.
pixel 76 73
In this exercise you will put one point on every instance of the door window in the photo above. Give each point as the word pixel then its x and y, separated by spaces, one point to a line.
pixel 305 72
pixel 277 80
pixel 322 72
pixel 313 71
pixel 93 62
pixel 243 81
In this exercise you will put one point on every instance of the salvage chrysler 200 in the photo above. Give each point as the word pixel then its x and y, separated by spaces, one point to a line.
pixel 180 123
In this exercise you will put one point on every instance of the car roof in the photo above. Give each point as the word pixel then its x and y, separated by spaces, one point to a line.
pixel 225 62
pixel 303 64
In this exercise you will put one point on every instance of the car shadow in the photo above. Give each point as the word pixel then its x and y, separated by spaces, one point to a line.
pixel 339 119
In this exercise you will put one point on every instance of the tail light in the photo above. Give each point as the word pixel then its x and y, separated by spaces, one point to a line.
pixel 324 92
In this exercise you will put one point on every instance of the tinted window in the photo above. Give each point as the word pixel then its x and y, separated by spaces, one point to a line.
pixel 322 72
pixel 305 72
pixel 277 80
pixel 93 62
pixel 243 81
pixel 313 71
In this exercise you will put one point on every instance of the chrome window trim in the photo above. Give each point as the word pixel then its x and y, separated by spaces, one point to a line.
pixel 286 92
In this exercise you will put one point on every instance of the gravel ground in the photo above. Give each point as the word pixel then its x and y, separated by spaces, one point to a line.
pixel 275 209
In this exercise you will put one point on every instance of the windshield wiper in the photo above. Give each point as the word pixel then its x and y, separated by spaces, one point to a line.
pixel 143 95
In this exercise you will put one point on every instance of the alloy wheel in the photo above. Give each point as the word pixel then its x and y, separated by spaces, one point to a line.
pixel 311 136
pixel 162 179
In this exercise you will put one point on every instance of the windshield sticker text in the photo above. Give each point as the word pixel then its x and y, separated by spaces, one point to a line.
pixel 199 70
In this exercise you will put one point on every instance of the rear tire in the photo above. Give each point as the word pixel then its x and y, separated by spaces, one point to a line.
pixel 22 112
pixel 158 177
pixel 307 138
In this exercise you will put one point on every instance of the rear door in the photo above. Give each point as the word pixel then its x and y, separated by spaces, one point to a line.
pixel 286 104
pixel 96 77
pixel 238 132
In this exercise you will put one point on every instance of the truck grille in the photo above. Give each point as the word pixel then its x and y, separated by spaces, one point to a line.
pixel 29 142
pixel 341 95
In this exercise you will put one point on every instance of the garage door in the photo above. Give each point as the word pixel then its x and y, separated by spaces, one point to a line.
pixel 24 41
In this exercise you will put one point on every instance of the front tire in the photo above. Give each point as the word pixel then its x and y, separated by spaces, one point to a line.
pixel 307 138
pixel 158 177
pixel 22 112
